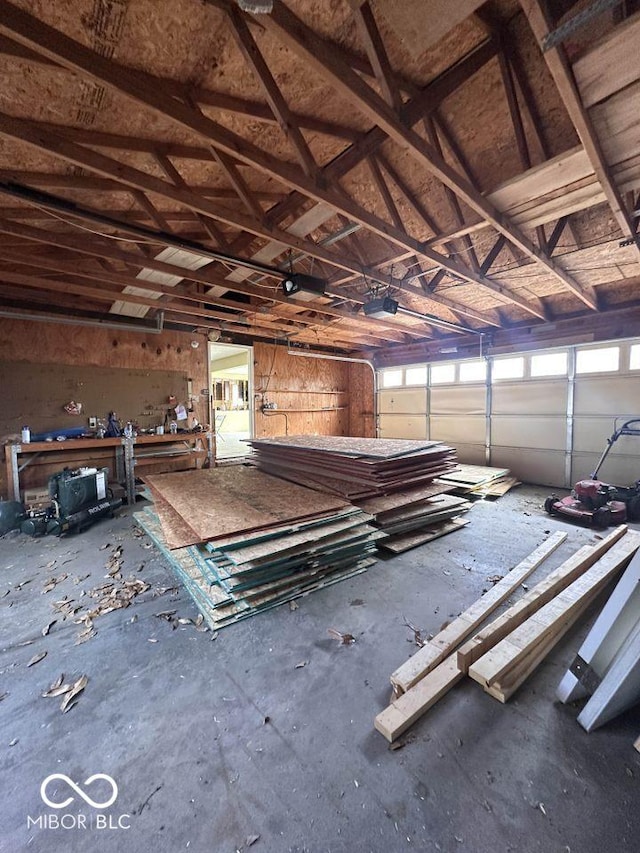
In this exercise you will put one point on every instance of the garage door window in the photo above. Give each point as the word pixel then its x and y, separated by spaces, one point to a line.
pixel 603 360
pixel 508 368
pixel 473 371
pixel 443 373
pixel 549 364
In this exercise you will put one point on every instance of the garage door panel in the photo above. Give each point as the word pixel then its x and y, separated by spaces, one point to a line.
pixel 547 433
pixel 542 467
pixel 459 399
pixel 590 436
pixel 547 397
pixel 622 470
pixel 403 426
pixel 471 454
pixel 610 395
pixel 403 400
pixel 468 430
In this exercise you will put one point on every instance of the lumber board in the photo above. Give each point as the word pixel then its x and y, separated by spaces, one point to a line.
pixel 405 541
pixel 474 475
pixel 285 544
pixel 177 533
pixel 430 505
pixel 552 620
pixel 419 521
pixel 239 540
pixel 537 597
pixel 410 706
pixel 221 608
pixel 497 489
pixel 433 652
pixel 610 65
pixel 532 660
pixel 387 503
pixel 376 448
pixel 221 501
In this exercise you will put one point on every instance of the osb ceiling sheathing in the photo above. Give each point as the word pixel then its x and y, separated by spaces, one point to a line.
pixel 389 148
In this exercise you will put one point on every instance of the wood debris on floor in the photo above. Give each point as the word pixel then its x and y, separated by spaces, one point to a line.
pixel 504 653
pixel 261 543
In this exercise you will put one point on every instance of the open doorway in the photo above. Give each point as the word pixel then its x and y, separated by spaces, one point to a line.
pixel 231 395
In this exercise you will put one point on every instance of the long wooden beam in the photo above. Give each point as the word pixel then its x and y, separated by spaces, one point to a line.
pixel 560 69
pixel 294 33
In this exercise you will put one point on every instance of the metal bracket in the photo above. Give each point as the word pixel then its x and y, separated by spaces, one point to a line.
pixel 585 674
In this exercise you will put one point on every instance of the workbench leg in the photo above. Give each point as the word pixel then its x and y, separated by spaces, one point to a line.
pixel 129 468
pixel 14 481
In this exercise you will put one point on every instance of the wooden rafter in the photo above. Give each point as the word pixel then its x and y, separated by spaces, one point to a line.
pixel 203 276
pixel 74 55
pixel 376 52
pixel 279 106
pixel 293 32
pixel 454 204
pixel 383 190
pixel 558 65
pixel 208 224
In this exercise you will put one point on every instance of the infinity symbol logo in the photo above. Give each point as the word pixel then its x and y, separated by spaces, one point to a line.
pixel 79 791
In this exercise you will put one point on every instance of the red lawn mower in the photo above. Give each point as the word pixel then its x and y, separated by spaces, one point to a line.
pixel 599 504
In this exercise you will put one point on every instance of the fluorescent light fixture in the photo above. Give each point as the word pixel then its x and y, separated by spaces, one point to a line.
pixel 256 7
pixel 303 287
pixel 380 308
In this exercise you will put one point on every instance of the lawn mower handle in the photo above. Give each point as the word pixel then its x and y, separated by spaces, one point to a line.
pixel 630 427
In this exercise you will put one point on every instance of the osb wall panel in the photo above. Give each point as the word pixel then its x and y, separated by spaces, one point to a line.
pixel 112 354
pixel 313 396
pixel 38 396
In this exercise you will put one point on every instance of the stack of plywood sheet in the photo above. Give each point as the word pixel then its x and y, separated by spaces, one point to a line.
pixel 479 481
pixel 504 653
pixel 242 541
pixel 415 516
pixel 354 468
pixel 392 479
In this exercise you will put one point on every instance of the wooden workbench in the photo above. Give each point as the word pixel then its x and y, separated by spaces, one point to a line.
pixel 125 458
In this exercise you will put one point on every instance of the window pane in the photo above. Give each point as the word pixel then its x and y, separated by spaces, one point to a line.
pixel 597 360
pixel 634 360
pixel 416 375
pixel 473 371
pixel 549 364
pixel 391 378
pixel 508 368
pixel 441 373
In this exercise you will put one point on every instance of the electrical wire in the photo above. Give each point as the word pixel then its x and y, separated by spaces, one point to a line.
pixel 92 230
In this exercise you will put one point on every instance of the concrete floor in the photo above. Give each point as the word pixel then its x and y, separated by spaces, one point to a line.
pixel 212 743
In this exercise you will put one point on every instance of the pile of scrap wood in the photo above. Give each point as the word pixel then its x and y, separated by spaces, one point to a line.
pixel 354 468
pixel 479 481
pixel 391 479
pixel 242 541
pixel 505 652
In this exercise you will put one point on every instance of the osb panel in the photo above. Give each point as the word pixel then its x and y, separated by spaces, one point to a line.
pixel 223 501
pixel 295 383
